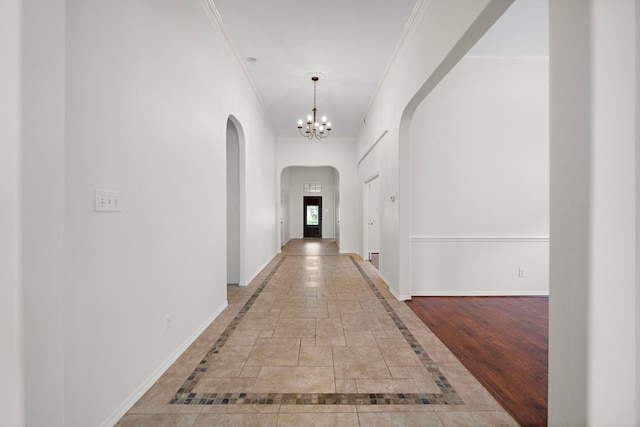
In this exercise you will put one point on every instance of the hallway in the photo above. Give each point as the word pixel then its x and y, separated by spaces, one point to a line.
pixel 316 339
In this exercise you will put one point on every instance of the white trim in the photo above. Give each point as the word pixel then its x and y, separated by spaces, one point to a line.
pixel 478 293
pixel 416 17
pixel 489 239
pixel 349 252
pixel 218 23
pixel 505 58
pixel 396 295
pixel 150 381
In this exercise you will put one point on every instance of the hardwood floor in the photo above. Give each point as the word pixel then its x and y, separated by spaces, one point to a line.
pixel 503 341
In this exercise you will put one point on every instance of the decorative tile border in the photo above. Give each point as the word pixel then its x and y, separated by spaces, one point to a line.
pixel 317 399
pixel 185 395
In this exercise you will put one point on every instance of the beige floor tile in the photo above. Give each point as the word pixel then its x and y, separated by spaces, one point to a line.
pixel 224 385
pixel 316 356
pixel 359 362
pixel 311 379
pixel 360 322
pixel 274 352
pixel 399 419
pixel 311 313
pixel 250 372
pixel 243 338
pixel 345 306
pixel 424 380
pixel 400 372
pixel 265 334
pixel 158 420
pixel 228 363
pixel 308 342
pixel 360 339
pixel 395 408
pixel 346 385
pixel 317 304
pixel 398 352
pixel 369 385
pixel 288 301
pixel 318 420
pixel 295 328
pixel 241 409
pixel 329 333
pixel 259 321
pixel 296 409
pixel 476 419
pixel 237 420
pixel 347 296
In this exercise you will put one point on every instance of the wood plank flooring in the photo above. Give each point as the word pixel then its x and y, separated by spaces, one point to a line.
pixel 503 341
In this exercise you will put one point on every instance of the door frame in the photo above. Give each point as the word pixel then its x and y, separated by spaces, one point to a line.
pixel 305 203
pixel 365 215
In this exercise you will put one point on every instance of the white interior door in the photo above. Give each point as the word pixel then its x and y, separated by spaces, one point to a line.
pixel 373 189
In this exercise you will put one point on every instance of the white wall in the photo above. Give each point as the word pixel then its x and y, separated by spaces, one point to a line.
pixel 338 153
pixel 479 180
pixel 297 177
pixel 593 276
pixel 12 392
pixel 442 34
pixel 147 109
pixel 43 163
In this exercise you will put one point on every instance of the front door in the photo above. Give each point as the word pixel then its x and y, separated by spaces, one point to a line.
pixel 312 216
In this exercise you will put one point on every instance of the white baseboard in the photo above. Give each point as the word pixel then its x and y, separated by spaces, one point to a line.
pixel 348 252
pixel 397 296
pixel 146 385
pixel 480 293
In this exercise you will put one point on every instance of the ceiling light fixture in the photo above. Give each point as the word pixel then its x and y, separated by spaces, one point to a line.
pixel 313 129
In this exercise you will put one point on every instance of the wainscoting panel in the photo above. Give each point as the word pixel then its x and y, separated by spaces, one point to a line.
pixel 484 265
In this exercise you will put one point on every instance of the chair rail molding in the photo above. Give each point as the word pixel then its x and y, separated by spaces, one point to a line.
pixel 455 239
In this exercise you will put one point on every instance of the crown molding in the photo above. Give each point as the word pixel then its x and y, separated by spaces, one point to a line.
pixel 491 239
pixel 218 23
pixel 506 58
pixel 414 18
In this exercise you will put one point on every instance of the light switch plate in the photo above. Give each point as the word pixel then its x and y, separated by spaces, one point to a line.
pixel 108 201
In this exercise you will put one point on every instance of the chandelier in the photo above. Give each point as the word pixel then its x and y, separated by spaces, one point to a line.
pixel 313 129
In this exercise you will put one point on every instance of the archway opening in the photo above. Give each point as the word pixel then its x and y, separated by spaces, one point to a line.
pixel 235 205
pixel 300 183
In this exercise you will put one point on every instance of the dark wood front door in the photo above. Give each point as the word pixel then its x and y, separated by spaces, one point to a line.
pixel 312 216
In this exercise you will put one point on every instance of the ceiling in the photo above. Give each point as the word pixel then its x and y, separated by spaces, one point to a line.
pixel 350 42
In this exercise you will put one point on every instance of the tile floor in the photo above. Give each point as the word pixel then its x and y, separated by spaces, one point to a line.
pixel 316 340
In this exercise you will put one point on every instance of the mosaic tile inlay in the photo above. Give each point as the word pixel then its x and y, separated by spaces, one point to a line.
pixel 186 396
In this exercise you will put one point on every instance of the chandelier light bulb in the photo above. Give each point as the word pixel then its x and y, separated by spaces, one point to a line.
pixel 299 124
pixel 324 120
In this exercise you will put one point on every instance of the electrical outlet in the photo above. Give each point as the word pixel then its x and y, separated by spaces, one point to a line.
pixel 108 201
pixel 521 272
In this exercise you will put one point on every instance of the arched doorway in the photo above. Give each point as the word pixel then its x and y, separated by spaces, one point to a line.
pixel 235 202
pixel 300 183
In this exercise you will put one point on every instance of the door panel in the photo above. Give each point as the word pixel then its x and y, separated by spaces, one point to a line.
pixel 373 211
pixel 312 220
